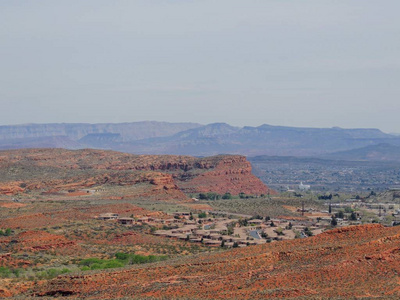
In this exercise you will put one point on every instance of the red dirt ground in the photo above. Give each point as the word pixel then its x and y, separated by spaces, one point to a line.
pixel 346 263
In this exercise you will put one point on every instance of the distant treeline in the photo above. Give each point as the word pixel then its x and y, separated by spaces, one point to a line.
pixel 215 196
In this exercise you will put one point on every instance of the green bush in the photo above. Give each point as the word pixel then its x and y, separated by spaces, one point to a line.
pixel 121 256
pixel 5 272
pixel 202 215
pixel 51 273
pixel 121 259
pixel 90 261
pixel 7 232
pixel 227 196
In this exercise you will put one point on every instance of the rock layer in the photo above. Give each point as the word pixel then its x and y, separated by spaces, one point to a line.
pixel 58 169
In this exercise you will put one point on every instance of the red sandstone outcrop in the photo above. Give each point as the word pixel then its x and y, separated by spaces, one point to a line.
pixel 58 169
pixel 227 174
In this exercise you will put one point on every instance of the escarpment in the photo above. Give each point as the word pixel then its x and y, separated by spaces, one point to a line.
pixel 55 170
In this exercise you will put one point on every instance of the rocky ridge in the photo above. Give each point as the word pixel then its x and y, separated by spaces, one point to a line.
pixel 53 170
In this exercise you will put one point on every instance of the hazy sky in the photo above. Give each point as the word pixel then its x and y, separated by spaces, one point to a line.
pixel 282 62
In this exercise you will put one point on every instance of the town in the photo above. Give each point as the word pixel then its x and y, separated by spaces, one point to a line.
pixel 224 229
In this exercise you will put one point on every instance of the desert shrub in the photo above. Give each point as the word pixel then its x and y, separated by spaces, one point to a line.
pixel 227 196
pixel 142 259
pixel 99 264
pixel 90 261
pixel 5 272
pixel 308 232
pixel 213 196
pixel 279 231
pixel 202 215
pixel 50 273
pixel 348 210
pixel 6 232
pixel 243 222
pixel 353 216
pixel 121 259
pixel 340 214
pixel 209 196
pixel 121 256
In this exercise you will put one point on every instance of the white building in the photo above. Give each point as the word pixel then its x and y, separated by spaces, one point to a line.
pixel 304 187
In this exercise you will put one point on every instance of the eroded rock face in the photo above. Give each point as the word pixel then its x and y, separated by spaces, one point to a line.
pixel 10 188
pixel 227 174
pixel 57 169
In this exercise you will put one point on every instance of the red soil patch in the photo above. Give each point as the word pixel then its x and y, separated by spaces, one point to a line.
pixel 290 208
pixel 12 205
pixel 33 241
pixel 7 260
pixel 78 194
pixel 46 219
pixel 198 206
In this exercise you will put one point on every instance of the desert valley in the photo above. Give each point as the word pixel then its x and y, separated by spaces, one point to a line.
pixel 103 224
pixel 199 149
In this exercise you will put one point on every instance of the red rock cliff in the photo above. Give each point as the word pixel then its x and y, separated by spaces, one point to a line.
pixel 225 174
pixel 86 168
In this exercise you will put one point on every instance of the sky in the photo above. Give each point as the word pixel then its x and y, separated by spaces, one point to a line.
pixel 308 63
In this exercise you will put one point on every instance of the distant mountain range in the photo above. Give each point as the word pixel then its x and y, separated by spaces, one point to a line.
pixel 380 152
pixel 200 140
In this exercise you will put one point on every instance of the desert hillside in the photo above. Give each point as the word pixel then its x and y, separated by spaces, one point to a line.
pixel 354 262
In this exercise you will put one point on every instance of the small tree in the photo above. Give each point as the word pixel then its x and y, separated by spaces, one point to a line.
pixel 227 196
pixel 308 232
pixel 340 214
pixel 203 196
pixel 348 209
pixel 333 221
pixel 279 231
